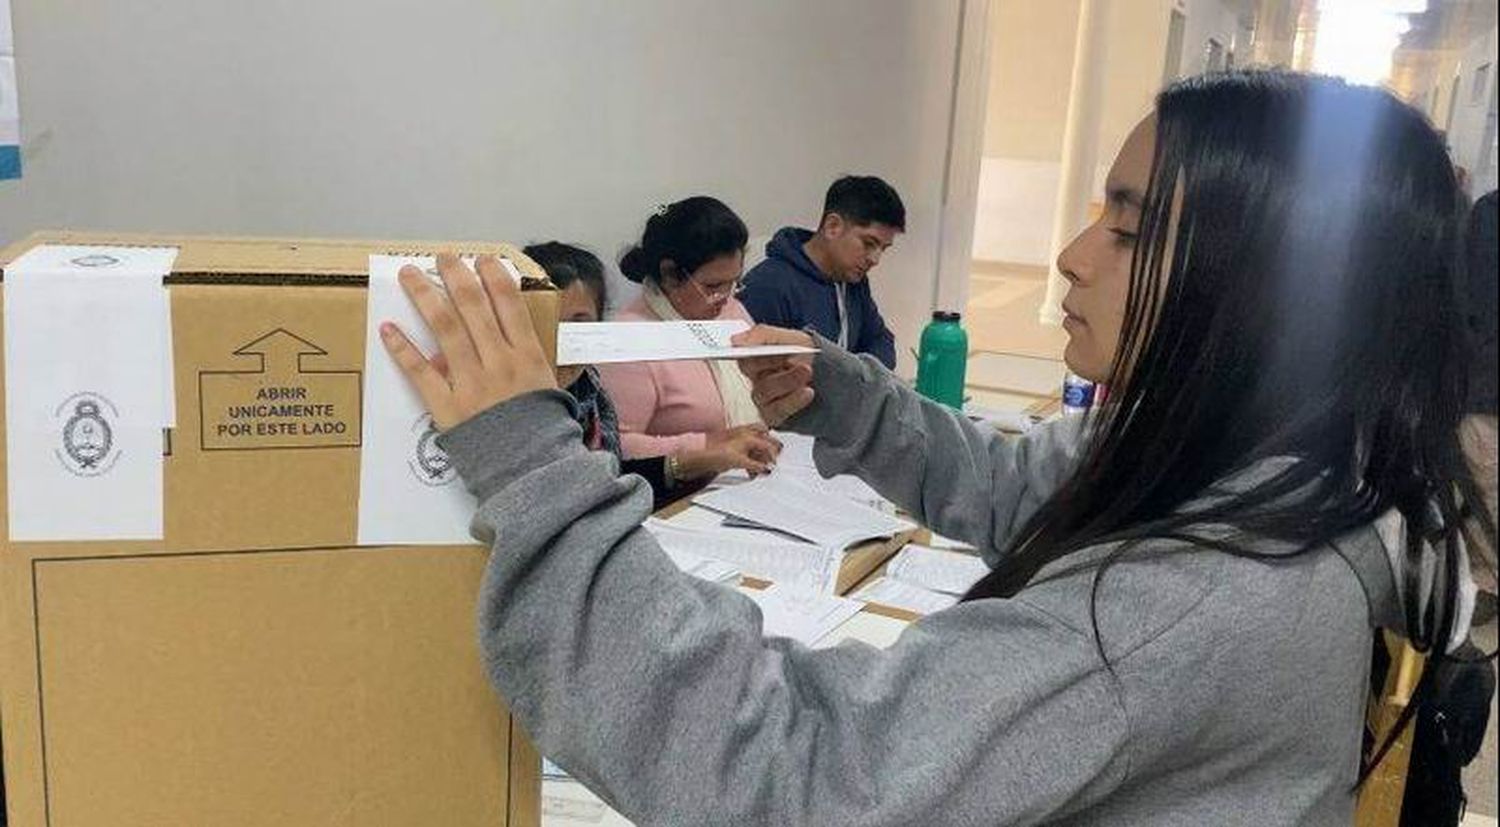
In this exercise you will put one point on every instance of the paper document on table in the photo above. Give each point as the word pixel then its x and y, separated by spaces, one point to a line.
pixel 799 616
pixel 747 526
pixel 734 528
pixel 868 628
pixel 941 571
pixel 602 343
pixel 88 361
pixel 939 541
pixel 693 518
pixel 797 566
pixel 889 592
pixel 796 450
pixel 409 491
pixel 820 517
pixel 796 461
pixel 703 568
pixel 848 486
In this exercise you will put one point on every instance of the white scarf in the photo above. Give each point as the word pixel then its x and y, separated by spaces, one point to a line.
pixel 734 388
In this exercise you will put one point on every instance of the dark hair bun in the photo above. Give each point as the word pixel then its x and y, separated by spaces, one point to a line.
pixel 636 265
pixel 689 233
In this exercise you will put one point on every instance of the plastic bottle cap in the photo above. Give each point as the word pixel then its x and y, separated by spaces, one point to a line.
pixel 946 316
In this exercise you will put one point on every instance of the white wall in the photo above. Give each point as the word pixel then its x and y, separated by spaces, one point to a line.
pixel 1013 221
pixel 481 118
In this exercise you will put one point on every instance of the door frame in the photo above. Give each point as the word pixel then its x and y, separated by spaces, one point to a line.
pixel 960 199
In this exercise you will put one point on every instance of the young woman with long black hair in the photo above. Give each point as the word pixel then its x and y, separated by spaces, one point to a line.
pixel 1185 587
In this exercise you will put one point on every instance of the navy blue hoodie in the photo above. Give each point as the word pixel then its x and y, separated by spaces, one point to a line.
pixel 788 290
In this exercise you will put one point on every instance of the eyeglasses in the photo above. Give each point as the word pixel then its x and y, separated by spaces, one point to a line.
pixel 718 294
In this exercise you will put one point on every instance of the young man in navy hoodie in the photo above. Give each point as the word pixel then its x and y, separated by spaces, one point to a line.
pixel 817 278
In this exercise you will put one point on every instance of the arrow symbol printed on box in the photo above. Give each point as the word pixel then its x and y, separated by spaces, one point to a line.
pixel 280 351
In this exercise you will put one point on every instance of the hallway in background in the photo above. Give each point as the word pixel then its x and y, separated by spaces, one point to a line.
pixel 1055 117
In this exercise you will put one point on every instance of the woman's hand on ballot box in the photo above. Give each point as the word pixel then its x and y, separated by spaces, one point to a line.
pixel 488 350
pixel 780 385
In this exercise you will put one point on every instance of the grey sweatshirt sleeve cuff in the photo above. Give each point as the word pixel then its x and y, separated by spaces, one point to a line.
pixel 840 379
pixel 504 443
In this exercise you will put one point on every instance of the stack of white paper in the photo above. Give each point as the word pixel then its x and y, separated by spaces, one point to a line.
pixel 924 580
pixel 796 461
pixel 602 343
pixel 701 519
pixel 939 541
pixel 703 568
pixel 942 571
pixel 730 527
pixel 888 592
pixel 847 486
pixel 797 566
pixel 796 450
pixel 821 517
pixel 799 616
pixel 866 627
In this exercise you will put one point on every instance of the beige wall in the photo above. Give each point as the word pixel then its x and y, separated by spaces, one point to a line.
pixel 1138 51
pixel 1031 62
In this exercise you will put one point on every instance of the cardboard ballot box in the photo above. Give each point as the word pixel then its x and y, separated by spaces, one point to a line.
pixel 256 665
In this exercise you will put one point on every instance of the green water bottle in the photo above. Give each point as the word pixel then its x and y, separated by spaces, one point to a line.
pixel 942 360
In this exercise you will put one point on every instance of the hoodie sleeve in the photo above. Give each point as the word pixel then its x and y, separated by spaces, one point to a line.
pixel 874 337
pixel 959 479
pixel 662 695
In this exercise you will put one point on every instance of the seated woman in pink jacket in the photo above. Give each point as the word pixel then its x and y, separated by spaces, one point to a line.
pixel 698 414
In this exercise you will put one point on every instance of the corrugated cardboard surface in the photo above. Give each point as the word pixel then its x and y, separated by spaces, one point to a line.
pixel 255 667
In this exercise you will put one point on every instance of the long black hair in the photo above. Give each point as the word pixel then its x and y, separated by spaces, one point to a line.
pixel 688 233
pixel 1293 294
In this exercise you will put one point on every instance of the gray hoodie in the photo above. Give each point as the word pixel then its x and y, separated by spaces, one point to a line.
pixel 1235 693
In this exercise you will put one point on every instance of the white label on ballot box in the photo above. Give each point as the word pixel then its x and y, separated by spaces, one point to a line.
pixel 409 492
pixel 87 391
